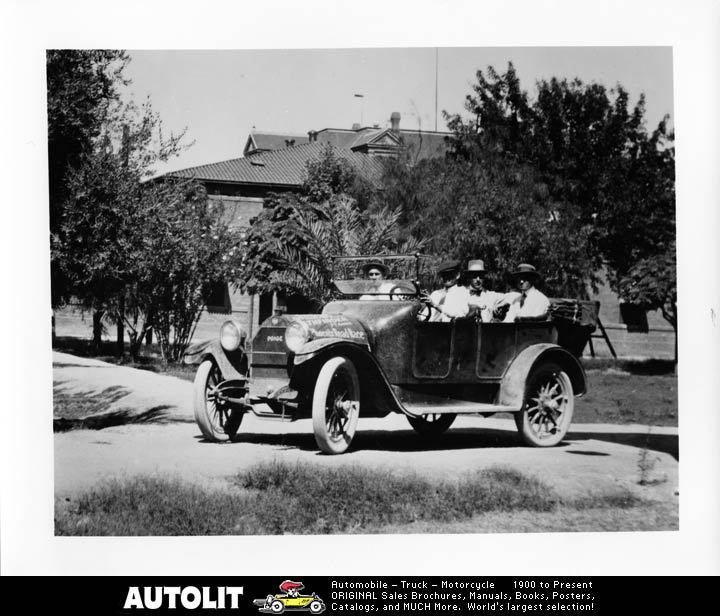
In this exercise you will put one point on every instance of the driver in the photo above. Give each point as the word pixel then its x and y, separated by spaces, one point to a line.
pixel 451 301
pixel 376 271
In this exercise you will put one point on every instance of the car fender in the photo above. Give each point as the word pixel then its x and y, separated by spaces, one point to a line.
pixel 376 390
pixel 512 388
pixel 314 347
pixel 229 363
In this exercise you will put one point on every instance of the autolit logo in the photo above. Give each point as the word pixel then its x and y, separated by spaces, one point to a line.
pixel 274 338
pixel 290 599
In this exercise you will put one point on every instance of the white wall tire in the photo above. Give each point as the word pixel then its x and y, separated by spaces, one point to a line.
pixel 336 405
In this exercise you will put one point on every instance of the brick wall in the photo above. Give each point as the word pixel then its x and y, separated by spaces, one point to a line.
pixel 657 343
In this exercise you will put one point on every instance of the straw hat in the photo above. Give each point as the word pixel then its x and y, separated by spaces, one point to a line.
pixel 476 266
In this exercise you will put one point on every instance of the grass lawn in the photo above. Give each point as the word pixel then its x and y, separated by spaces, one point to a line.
pixel 277 498
pixel 621 397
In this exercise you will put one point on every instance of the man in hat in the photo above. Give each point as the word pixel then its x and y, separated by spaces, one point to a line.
pixel 451 301
pixel 530 304
pixel 481 301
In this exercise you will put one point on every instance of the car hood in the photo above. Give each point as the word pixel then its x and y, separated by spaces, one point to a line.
pixel 332 326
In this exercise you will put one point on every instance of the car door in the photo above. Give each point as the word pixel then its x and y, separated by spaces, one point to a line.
pixel 433 347
pixel 496 348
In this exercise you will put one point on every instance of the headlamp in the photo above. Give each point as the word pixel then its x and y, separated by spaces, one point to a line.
pixel 296 335
pixel 231 336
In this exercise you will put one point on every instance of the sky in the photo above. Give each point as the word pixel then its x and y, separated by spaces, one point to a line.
pixel 220 95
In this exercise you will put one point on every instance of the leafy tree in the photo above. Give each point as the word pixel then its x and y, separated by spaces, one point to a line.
pixel 139 252
pixel 592 156
pixel 82 90
pixel 491 208
pixel 290 243
pixel 652 282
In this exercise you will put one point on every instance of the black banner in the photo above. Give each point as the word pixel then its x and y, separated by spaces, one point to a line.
pixel 299 594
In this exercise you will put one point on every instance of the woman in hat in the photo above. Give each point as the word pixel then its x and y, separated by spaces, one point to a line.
pixel 451 301
pixel 530 303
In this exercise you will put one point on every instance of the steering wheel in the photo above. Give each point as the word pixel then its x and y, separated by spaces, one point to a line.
pixel 425 313
pixel 399 292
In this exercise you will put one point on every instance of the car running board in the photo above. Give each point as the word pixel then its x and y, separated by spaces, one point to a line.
pixel 459 407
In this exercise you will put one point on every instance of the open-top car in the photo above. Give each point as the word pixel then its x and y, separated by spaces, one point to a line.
pixel 374 350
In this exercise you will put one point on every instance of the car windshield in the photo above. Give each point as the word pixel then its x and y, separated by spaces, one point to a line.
pixel 377 276
pixel 379 288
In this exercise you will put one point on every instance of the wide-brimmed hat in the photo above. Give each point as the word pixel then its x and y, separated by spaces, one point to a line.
pixel 476 266
pixel 448 266
pixel 526 270
pixel 374 265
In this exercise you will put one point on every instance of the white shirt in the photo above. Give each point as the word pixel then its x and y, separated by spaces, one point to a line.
pixel 454 302
pixel 485 303
pixel 535 304
pixel 383 287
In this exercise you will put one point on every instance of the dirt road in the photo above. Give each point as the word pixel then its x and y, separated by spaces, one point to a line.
pixel 594 458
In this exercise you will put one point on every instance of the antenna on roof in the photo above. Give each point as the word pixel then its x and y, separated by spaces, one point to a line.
pixel 436 85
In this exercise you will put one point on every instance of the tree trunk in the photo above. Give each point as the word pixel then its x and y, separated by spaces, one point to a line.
pixel 120 350
pixel 148 337
pixel 97 331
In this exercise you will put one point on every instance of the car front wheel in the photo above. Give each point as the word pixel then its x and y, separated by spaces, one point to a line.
pixel 336 405
pixel 217 422
pixel 548 407
pixel 316 607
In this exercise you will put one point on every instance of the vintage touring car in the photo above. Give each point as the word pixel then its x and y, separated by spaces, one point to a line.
pixel 277 604
pixel 373 350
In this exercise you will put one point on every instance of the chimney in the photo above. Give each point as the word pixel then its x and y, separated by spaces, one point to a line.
pixel 289 143
pixel 312 136
pixel 356 126
pixel 395 122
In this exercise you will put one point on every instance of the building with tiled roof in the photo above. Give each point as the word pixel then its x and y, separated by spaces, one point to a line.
pixel 274 162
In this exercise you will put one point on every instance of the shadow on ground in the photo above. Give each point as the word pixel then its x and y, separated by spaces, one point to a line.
pixel 73 410
pixel 465 438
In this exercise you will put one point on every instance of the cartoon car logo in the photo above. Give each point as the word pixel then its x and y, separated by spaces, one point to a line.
pixel 290 599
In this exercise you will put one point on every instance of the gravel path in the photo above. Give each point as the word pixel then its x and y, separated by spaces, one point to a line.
pixel 595 457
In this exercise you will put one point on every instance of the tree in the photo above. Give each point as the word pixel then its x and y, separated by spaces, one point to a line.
pixel 82 89
pixel 140 252
pixel 491 208
pixel 290 244
pixel 591 154
pixel 652 283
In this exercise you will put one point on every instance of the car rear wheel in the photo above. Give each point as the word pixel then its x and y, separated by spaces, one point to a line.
pixel 277 607
pixel 548 407
pixel 433 424
pixel 336 405
pixel 217 422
